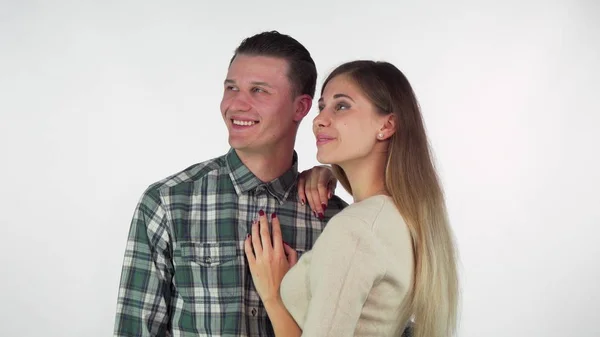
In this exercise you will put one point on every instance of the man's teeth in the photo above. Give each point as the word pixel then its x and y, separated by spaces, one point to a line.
pixel 244 123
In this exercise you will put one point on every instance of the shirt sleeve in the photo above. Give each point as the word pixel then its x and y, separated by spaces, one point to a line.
pixel 343 270
pixel 144 291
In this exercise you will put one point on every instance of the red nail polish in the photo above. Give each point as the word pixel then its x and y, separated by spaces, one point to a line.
pixel 324 207
pixel 273 215
pixel 321 216
pixel 261 212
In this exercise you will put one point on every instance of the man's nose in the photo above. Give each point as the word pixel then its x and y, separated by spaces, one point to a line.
pixel 240 102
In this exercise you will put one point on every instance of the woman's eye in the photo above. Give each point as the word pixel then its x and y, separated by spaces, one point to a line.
pixel 341 106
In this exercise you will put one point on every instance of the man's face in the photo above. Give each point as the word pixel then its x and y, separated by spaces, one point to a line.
pixel 257 106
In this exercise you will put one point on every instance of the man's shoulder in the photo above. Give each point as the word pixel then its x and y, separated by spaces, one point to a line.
pixel 190 175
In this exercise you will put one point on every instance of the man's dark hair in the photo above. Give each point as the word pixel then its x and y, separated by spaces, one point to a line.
pixel 302 71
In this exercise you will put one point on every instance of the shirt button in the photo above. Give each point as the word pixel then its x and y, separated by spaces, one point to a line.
pixel 253 311
pixel 208 260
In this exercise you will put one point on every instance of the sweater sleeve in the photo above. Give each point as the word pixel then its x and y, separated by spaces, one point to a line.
pixel 344 268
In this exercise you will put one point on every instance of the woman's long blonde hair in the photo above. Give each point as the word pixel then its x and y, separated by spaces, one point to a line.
pixel 413 184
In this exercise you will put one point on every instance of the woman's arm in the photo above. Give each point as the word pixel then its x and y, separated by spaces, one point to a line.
pixel 268 264
pixel 315 187
pixel 283 323
pixel 344 268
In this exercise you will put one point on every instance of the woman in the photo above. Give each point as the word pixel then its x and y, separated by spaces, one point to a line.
pixel 388 257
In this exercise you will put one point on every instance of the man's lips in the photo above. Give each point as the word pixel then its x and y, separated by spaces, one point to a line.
pixel 241 121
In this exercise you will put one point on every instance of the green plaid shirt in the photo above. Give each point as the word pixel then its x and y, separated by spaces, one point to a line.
pixel 185 272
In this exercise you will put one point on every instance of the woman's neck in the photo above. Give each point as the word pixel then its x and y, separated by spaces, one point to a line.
pixel 366 176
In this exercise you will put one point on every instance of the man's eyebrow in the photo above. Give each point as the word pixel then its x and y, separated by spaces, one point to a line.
pixel 264 84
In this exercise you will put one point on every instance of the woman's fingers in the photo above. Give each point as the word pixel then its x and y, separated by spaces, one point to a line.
pixel 256 243
pixel 277 236
pixel 249 252
pixel 265 234
pixel 301 185
pixel 292 255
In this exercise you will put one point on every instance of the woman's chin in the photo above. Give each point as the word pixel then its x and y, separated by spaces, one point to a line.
pixel 323 159
pixel 320 158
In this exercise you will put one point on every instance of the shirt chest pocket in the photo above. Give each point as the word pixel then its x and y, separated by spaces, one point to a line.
pixel 208 270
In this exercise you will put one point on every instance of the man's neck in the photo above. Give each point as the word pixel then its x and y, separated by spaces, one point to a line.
pixel 268 165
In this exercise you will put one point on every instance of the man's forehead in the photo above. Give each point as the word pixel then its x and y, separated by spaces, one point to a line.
pixel 257 66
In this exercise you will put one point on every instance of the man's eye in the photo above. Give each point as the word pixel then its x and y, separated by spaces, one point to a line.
pixel 231 88
pixel 258 90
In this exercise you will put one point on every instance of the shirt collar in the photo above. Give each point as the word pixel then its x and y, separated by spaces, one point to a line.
pixel 244 180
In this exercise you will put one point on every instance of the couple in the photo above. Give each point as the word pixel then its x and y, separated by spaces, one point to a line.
pixel 231 247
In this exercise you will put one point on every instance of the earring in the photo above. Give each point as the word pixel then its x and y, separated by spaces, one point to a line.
pixel 380 135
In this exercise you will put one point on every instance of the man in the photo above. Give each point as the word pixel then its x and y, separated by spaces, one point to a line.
pixel 184 271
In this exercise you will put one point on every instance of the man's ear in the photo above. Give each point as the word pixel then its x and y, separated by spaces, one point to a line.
pixel 303 103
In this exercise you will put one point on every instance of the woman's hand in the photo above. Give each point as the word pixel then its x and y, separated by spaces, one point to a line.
pixel 316 186
pixel 269 261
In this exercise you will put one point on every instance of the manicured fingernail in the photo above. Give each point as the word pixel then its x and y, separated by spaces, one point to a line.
pixel 261 212
pixel 324 207
pixel 302 202
pixel 314 213
pixel 273 215
pixel 247 235
pixel 321 216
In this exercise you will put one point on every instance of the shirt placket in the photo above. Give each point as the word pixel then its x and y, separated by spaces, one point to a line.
pixel 262 202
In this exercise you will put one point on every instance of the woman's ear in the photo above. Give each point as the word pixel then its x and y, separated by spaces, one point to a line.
pixel 388 128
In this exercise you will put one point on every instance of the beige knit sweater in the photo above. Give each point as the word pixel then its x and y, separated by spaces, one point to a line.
pixel 355 280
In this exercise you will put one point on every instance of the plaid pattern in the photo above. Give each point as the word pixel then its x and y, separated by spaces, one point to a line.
pixel 185 272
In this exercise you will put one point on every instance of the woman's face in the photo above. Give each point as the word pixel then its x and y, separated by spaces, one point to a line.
pixel 348 124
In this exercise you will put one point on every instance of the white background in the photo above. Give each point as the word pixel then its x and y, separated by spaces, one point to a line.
pixel 98 99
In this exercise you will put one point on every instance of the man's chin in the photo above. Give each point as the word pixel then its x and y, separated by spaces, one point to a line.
pixel 237 142
pixel 240 145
